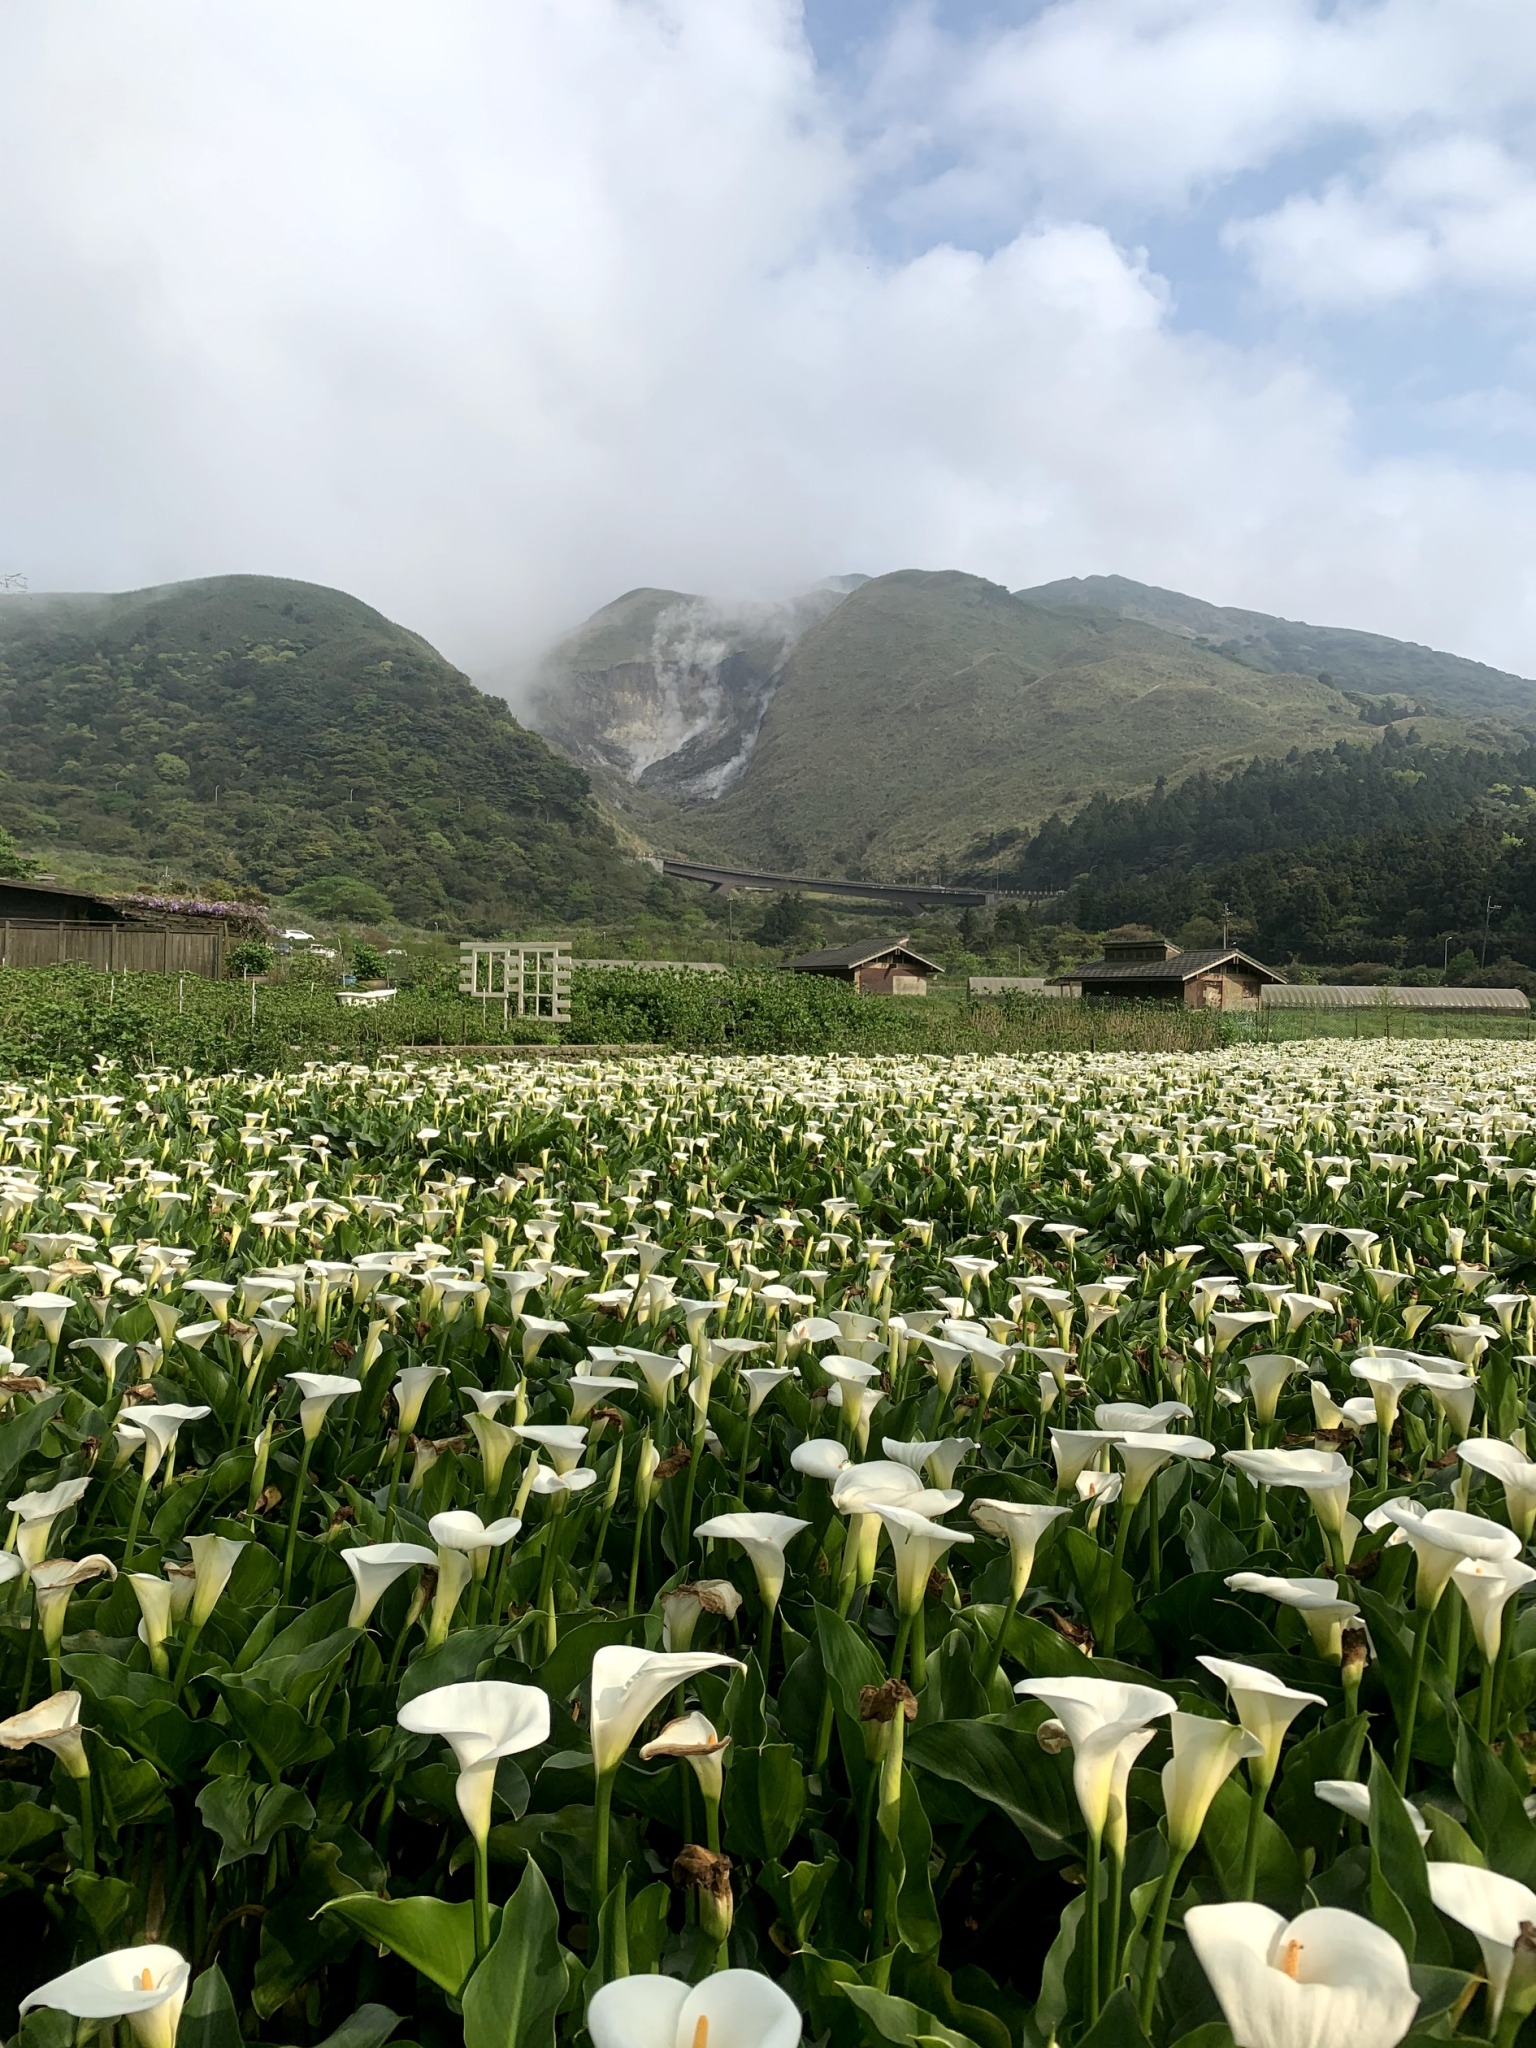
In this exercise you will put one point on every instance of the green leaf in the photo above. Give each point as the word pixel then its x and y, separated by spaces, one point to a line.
pixel 1008 1768
pixel 895 2020
pixel 209 2018
pixel 917 1915
pixel 764 1799
pixel 456 1662
pixel 246 1817
pixel 570 1665
pixel 1108 1591
pixel 278 1734
pixel 798 1894
pixel 108 1904
pixel 1397 1860
pixel 369 2027
pixel 926 1984
pixel 298 1937
pixel 847 1658
pixel 23 1827
pixel 435 1936
pixel 1225 1836
pixel 1212 1546
pixel 1495 1811
pixel 513 1997
pixel 1213 2034
pixel 21 1435
pixel 1449 1841
pixel 1332 1751
pixel 1118 2025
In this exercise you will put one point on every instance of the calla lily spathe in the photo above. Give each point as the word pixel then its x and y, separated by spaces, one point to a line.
pixel 481 1723
pixel 1327 1979
pixel 146 1986
pixel 1497 1910
pixel 628 1686
pixel 764 1538
pixel 732 2009
pixel 375 1568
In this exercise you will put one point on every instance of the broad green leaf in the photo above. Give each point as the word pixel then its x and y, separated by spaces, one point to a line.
pixel 1108 1591
pixel 20 1436
pixel 798 1894
pixel 1495 1813
pixel 209 2018
pixel 1006 1767
pixel 513 1997
pixel 916 1914
pixel 456 1662
pixel 247 1816
pixel 279 1736
pixel 1225 1837
pixel 1397 1860
pixel 764 1800
pixel 298 1937
pixel 571 1664
pixel 921 1980
pixel 435 1936
pixel 847 1658
pixel 1117 2026
pixel 369 2027
pixel 898 2022
pixel 1212 1546
pixel 22 1828
pixel 109 1905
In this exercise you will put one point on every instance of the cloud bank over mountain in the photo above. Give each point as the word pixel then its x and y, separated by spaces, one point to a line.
pixel 486 312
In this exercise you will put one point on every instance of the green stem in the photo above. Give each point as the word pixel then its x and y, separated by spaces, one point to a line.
pixel 482 1899
pixel 1422 1619
pixel 746 1453
pixel 634 1560
pixel 899 1647
pixel 183 1662
pixel 394 1485
pixel 995 1654
pixel 134 1520
pixel 602 1807
pixel 1155 1932
pixel 1091 1914
pixel 1116 1904
pixel 1485 1693
pixel 1257 1793
pixel 293 1518
pixel 919 1650
pixel 87 1825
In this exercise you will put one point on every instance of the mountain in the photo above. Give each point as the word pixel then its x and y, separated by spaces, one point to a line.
pixel 923 718
pixel 1353 661
pixel 248 731
pixel 666 690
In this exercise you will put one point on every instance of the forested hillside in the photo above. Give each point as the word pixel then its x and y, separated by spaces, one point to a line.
pixel 250 732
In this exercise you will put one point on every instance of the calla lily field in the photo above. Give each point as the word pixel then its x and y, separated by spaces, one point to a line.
pixel 722 1552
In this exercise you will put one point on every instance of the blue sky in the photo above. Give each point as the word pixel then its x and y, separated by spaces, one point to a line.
pixel 490 313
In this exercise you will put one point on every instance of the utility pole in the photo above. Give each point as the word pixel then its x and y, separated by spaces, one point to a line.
pixel 1488 909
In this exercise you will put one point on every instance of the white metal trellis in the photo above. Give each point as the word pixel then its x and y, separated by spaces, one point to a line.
pixel 528 981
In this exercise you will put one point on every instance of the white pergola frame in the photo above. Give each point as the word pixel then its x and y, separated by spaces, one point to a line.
pixel 528 981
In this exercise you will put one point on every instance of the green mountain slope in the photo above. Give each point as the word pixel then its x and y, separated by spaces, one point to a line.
pixel 1354 661
pixel 931 711
pixel 250 731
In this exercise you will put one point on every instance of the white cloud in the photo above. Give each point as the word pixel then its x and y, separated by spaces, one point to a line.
pixel 490 313
pixel 1458 214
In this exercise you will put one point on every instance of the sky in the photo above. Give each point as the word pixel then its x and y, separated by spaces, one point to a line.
pixel 491 310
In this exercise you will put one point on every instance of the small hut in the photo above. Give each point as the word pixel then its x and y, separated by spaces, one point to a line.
pixel 1142 968
pixel 876 967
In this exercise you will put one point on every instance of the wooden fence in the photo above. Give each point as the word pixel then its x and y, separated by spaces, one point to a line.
pixel 113 948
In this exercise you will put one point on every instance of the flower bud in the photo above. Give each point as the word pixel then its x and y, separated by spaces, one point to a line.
pixel 701 1871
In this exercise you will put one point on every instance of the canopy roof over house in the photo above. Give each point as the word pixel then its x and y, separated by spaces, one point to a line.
pixel 863 953
pixel 1169 964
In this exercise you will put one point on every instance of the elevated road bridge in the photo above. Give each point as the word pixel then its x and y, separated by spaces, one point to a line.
pixel 900 895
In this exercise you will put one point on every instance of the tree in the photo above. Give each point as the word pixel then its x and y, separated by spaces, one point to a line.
pixel 13 862
pixel 789 924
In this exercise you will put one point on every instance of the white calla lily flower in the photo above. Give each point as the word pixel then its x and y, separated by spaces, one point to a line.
pixel 1323 1980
